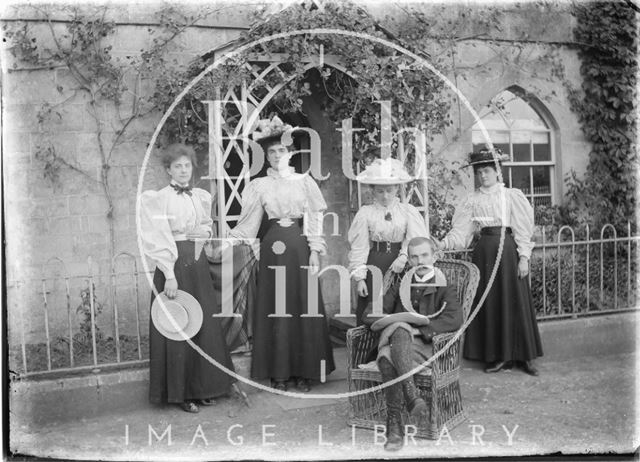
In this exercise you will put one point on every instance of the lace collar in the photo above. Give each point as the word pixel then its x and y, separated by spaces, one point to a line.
pixel 491 189
pixel 288 172
pixel 393 203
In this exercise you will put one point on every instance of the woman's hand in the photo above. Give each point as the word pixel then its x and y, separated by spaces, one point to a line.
pixel 171 288
pixel 218 248
pixel 362 288
pixel 314 262
pixel 399 263
pixel 439 244
pixel 523 267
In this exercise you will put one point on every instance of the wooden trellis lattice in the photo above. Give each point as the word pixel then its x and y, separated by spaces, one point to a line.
pixel 229 137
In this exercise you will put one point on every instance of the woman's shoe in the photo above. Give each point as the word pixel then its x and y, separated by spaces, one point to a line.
pixel 207 402
pixel 303 385
pixel 529 368
pixel 189 406
pixel 498 366
pixel 279 384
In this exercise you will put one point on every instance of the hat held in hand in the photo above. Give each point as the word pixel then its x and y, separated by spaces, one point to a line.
pixel 384 172
pixel 179 318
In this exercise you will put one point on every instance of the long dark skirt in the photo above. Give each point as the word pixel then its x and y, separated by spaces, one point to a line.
pixel 177 371
pixel 382 260
pixel 505 329
pixel 285 347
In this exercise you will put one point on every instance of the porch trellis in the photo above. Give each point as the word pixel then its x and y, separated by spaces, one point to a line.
pixel 228 138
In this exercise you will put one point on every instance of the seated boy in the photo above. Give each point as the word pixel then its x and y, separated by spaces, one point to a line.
pixel 411 317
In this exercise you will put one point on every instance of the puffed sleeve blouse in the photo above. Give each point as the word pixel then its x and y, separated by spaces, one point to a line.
pixel 282 195
pixel 167 217
pixel 370 224
pixel 484 207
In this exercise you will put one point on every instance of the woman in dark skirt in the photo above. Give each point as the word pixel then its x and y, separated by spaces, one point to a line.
pixel 286 344
pixel 505 331
pixel 174 223
pixel 380 231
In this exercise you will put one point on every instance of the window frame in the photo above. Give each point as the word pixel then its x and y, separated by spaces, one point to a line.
pixel 549 131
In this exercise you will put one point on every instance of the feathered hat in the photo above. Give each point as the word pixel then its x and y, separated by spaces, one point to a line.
pixel 269 130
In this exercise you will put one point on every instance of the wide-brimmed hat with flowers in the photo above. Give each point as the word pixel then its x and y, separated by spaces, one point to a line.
pixel 486 156
pixel 384 172
pixel 269 130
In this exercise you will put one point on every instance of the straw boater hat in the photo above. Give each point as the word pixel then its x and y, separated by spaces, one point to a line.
pixel 179 318
pixel 269 130
pixel 486 156
pixel 384 172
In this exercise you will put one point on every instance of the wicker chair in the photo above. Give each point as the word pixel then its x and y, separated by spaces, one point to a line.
pixel 438 384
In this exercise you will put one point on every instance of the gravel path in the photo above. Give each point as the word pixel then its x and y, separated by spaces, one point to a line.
pixel 582 406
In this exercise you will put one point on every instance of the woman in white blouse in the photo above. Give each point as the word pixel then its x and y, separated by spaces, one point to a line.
pixel 505 331
pixel 174 221
pixel 381 231
pixel 287 345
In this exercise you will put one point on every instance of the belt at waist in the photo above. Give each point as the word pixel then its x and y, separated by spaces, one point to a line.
pixel 183 237
pixel 285 222
pixel 385 246
pixel 495 230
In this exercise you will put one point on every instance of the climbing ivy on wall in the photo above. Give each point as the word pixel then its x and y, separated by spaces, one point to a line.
pixel 372 73
pixel 108 84
pixel 606 103
pixel 605 32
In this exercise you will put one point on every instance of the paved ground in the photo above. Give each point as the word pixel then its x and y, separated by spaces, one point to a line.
pixel 585 405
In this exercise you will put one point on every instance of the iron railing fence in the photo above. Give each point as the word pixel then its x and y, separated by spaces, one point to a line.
pixel 569 277
pixel 572 277
pixel 82 322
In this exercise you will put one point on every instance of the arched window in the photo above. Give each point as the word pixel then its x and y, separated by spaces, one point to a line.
pixel 520 131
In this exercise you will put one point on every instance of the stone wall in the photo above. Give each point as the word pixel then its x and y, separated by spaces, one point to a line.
pixel 53 229
pixel 68 221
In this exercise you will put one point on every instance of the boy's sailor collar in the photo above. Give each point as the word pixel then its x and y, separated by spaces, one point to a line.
pixel 428 275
